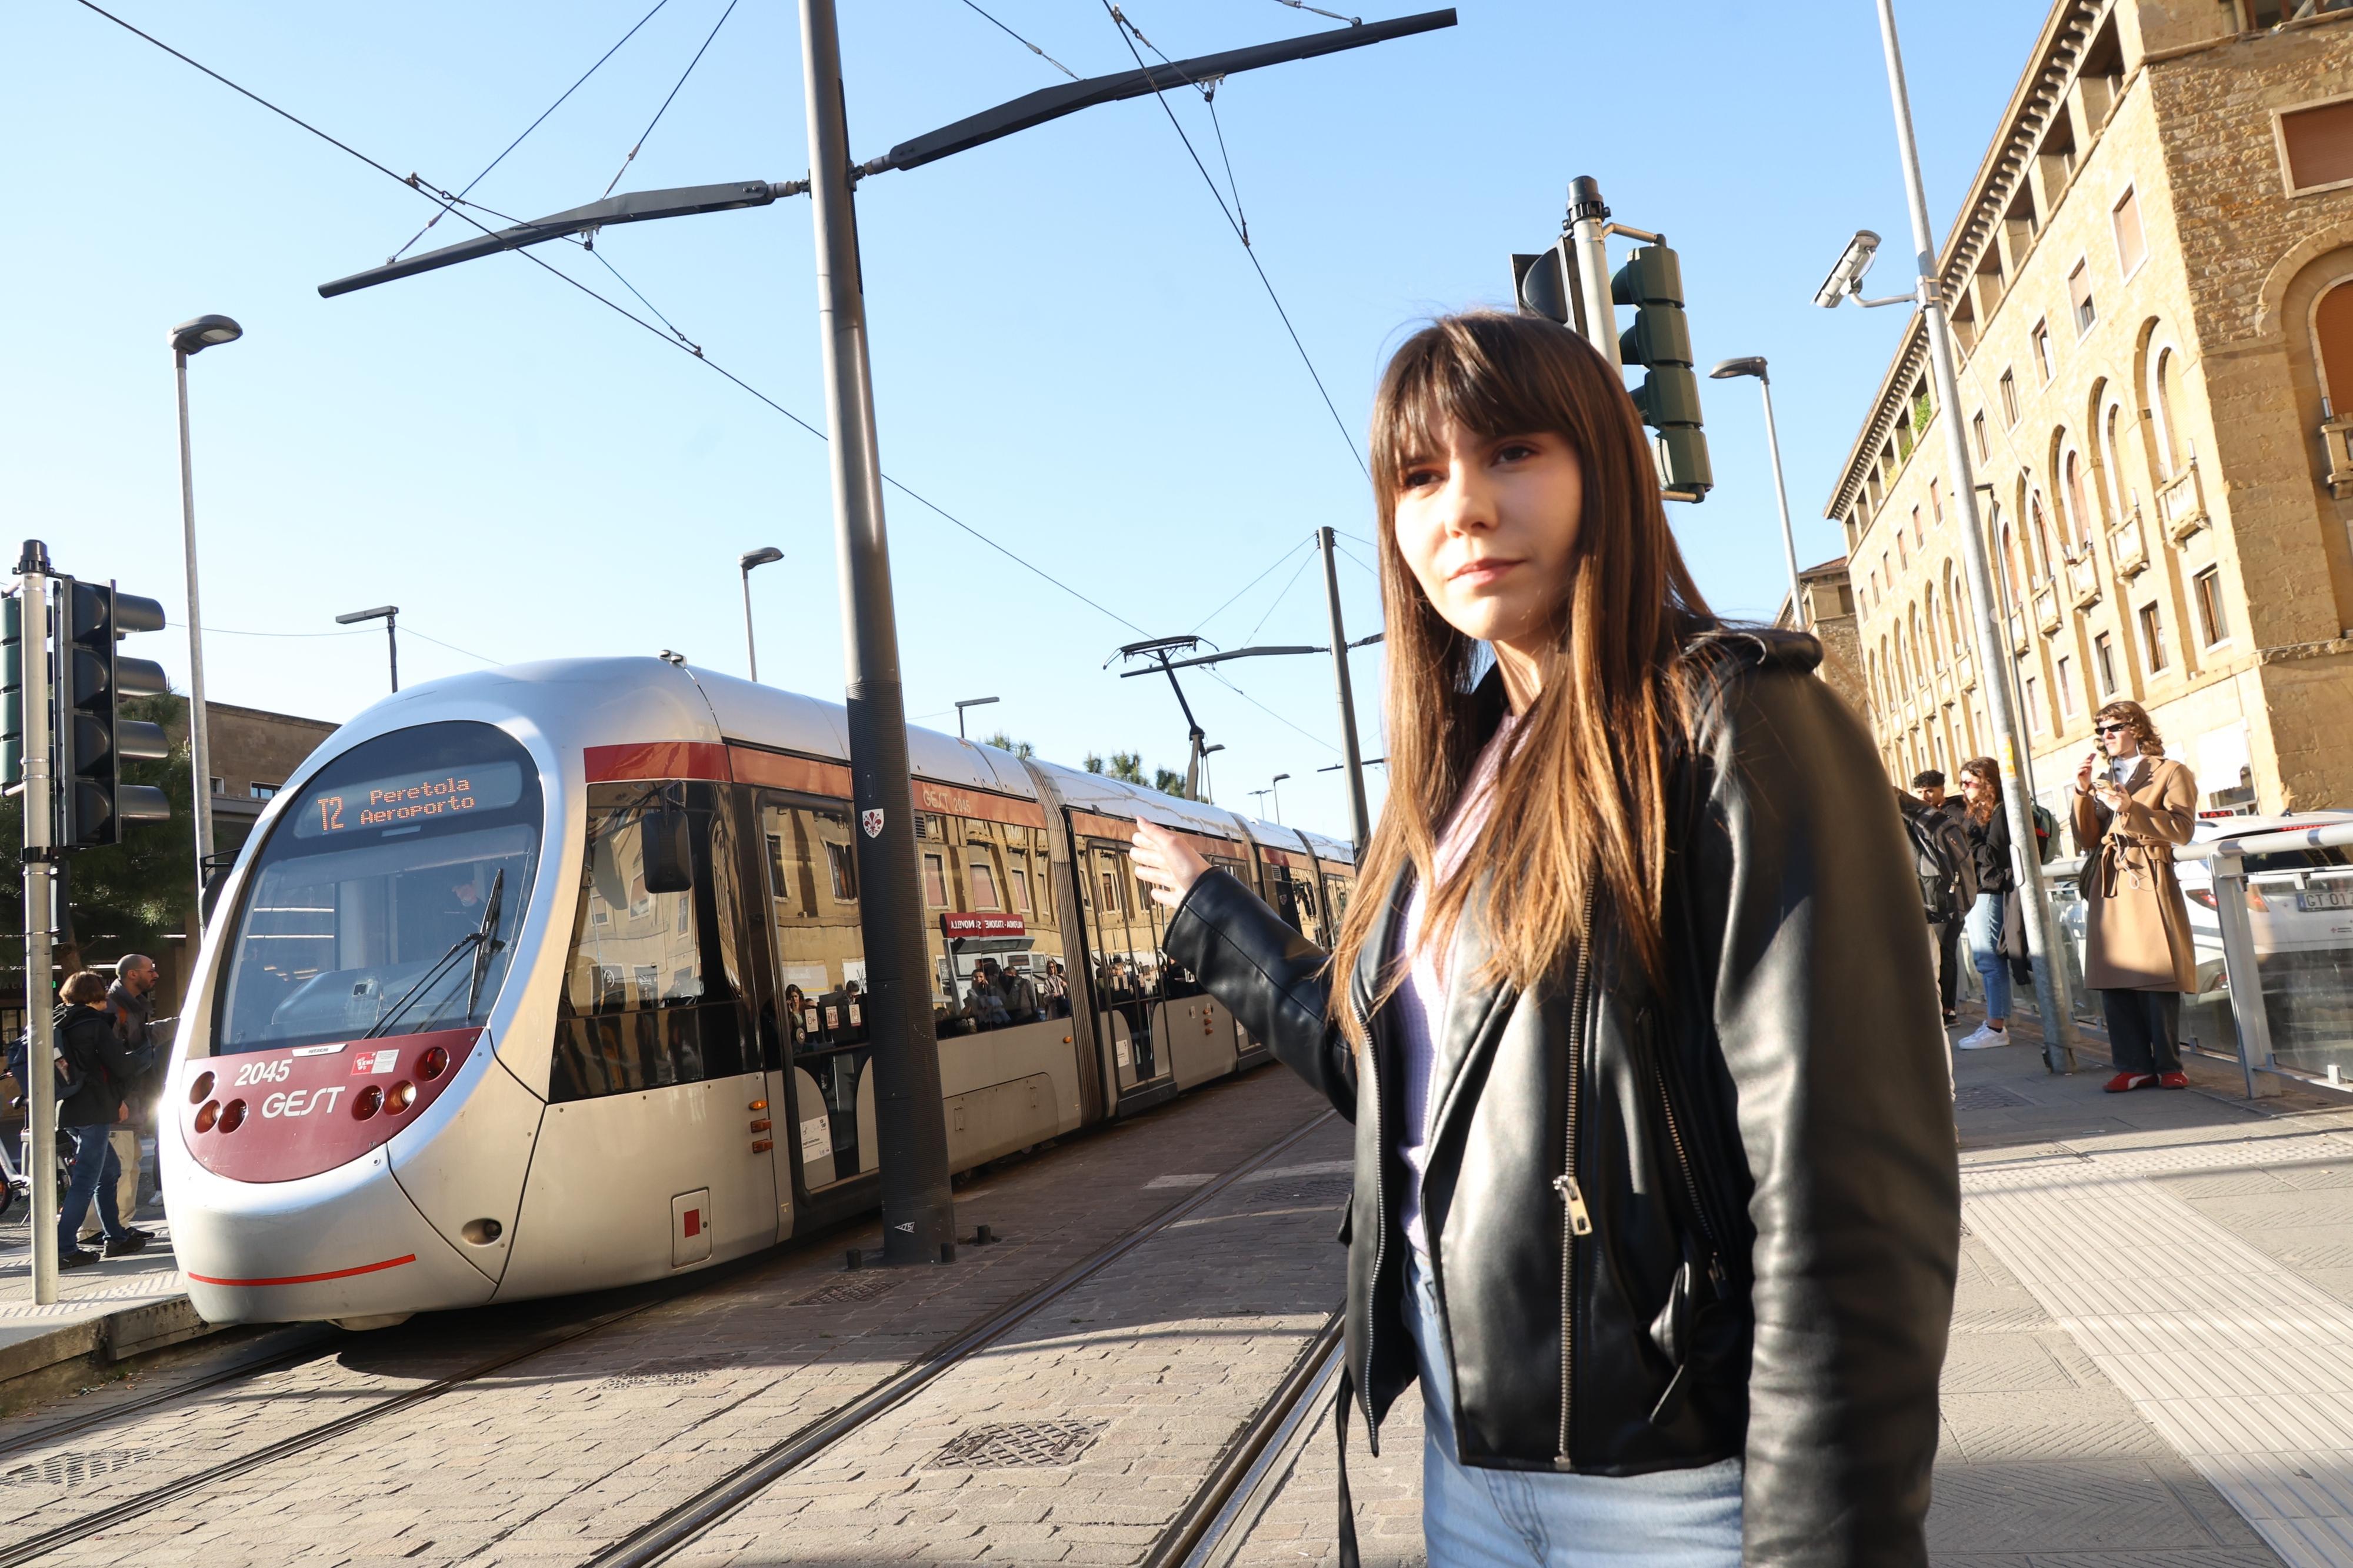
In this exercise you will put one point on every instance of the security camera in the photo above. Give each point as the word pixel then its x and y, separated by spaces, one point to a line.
pixel 1846 277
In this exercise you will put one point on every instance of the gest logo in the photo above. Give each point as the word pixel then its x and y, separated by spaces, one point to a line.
pixel 301 1101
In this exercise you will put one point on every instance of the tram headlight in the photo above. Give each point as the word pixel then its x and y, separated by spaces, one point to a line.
pixel 433 1064
pixel 232 1116
pixel 401 1096
pixel 201 1090
pixel 367 1103
pixel 208 1115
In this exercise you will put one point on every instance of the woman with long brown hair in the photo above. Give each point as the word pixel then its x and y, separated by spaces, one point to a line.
pixel 2133 805
pixel 1989 830
pixel 1655 1190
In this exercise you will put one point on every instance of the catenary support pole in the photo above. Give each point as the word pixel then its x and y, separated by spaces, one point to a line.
pixel 200 751
pixel 1359 818
pixel 918 1214
pixel 391 646
pixel 1782 494
pixel 2049 992
pixel 41 1089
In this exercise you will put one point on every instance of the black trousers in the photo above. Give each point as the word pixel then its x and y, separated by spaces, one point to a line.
pixel 1949 961
pixel 2144 1029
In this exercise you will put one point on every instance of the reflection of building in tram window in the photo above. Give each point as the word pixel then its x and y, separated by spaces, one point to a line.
pixel 981 872
pixel 1019 875
pixel 842 861
pixel 651 993
pixel 935 881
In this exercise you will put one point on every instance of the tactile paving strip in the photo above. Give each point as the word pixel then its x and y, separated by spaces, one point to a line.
pixel 2242 1366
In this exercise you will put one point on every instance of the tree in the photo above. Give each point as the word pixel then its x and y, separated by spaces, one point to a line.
pixel 1127 767
pixel 1021 749
pixel 1093 763
pixel 1169 780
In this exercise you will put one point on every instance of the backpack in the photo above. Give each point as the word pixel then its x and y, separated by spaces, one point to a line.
pixel 2046 833
pixel 70 1076
pixel 1937 859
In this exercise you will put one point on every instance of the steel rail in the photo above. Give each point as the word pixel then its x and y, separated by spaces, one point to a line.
pixel 1230 1499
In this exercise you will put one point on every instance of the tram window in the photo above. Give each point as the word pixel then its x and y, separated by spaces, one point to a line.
pixel 982 871
pixel 651 992
pixel 352 903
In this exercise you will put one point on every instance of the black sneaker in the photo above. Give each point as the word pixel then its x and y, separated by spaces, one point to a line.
pixel 129 1242
pixel 79 1258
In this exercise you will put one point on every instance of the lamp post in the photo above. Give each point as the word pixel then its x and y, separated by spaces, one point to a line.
pixel 2058 1023
pixel 1260 796
pixel 969 702
pixel 1273 787
pixel 1754 365
pixel 189 339
pixel 390 616
pixel 743 563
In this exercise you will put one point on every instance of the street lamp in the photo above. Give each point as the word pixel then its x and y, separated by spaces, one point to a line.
pixel 190 338
pixel 969 702
pixel 1754 365
pixel 2050 995
pixel 390 616
pixel 1260 796
pixel 743 563
pixel 1274 789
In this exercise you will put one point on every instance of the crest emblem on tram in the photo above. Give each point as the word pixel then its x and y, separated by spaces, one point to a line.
pixel 871 820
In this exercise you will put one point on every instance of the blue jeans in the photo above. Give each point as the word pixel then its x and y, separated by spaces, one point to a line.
pixel 1984 930
pixel 94 1172
pixel 1533 1519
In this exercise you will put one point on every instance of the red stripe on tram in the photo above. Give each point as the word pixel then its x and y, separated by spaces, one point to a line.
pixel 310 1279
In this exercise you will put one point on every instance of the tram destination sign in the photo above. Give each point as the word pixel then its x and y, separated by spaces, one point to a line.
pixel 410 799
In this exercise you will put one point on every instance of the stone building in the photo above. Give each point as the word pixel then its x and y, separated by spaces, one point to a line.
pixel 2151 285
pixel 1829 615
pixel 253 752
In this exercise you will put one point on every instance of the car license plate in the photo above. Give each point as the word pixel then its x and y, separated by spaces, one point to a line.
pixel 2325 899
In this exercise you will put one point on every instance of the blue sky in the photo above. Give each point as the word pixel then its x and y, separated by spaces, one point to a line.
pixel 1072 352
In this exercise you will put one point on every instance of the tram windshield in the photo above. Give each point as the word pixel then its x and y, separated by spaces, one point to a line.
pixel 388 896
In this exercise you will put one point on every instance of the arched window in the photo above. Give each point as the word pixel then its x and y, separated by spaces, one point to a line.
pixel 2332 324
pixel 2164 378
pixel 2112 472
pixel 2039 529
pixel 2077 500
pixel 1934 644
pixel 1953 613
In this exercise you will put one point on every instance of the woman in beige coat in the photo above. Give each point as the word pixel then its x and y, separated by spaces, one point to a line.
pixel 2132 806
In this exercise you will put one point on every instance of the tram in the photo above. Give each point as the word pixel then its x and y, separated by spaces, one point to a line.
pixel 548 978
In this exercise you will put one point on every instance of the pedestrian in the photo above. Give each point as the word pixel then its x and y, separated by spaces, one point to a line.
pixel 1054 990
pixel 1928 784
pixel 2133 805
pixel 1987 921
pixel 95 1058
pixel 1019 991
pixel 1654 1190
pixel 1942 862
pixel 131 1004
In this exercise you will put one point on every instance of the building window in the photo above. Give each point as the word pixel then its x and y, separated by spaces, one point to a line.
pixel 2332 324
pixel 220 786
pixel 980 871
pixel 2065 678
pixel 841 862
pixel 1976 425
pixel 2008 398
pixel 261 791
pixel 2152 638
pixel 1936 506
pixel 935 881
pixel 2033 705
pixel 2132 246
pixel 2316 146
pixel 2079 298
pixel 1918 536
pixel 2104 663
pixel 2206 589
pixel 2040 338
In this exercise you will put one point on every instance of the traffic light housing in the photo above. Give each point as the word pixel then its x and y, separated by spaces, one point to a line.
pixel 94 739
pixel 1543 285
pixel 12 690
pixel 1660 341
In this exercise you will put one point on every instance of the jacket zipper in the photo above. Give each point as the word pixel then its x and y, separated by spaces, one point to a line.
pixel 1575 1220
pixel 1380 1216
pixel 1691 1180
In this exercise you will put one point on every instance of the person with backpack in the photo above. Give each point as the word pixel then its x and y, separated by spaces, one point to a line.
pixel 1986 923
pixel 95 1060
pixel 1940 853
pixel 1655 1190
pixel 1928 786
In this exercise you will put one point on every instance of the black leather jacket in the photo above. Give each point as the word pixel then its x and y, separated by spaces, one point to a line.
pixel 1674 1224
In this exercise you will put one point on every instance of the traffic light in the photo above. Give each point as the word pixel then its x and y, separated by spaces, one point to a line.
pixel 1660 341
pixel 12 690
pixel 1544 285
pixel 95 738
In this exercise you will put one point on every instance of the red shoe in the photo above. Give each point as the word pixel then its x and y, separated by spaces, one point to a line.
pixel 2173 1080
pixel 2131 1080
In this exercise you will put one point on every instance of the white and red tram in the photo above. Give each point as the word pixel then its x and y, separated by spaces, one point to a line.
pixel 547 979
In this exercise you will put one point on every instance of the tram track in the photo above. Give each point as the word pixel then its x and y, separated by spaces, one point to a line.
pixel 684 1521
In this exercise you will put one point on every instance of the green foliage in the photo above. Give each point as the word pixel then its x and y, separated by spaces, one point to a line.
pixel 1127 767
pixel 1004 742
pixel 1169 780
pixel 1093 765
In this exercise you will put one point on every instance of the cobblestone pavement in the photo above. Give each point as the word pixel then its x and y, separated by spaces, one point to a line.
pixel 559 1454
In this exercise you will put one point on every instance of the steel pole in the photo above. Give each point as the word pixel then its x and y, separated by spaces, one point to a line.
pixel 200 750
pixel 2050 999
pixel 41 1086
pixel 1589 218
pixel 918 1212
pixel 1781 493
pixel 1358 817
pixel 391 646
pixel 751 651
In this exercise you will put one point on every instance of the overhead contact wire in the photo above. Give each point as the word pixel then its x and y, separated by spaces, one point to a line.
pixel 1024 42
pixel 657 119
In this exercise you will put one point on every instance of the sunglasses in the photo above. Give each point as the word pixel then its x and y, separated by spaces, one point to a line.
pixel 2112 729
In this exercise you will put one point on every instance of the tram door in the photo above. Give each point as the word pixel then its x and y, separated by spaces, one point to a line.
pixel 1126 959
pixel 822 1090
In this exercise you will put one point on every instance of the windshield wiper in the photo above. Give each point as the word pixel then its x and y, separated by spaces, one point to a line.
pixel 478 940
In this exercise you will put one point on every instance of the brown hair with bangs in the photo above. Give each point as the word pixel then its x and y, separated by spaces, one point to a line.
pixel 1579 808
pixel 2145 736
pixel 1987 771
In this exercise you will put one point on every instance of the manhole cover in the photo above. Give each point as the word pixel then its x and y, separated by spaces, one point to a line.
pixel 73 1469
pixel 673 1373
pixel 1989 1097
pixel 1018 1445
pixel 864 1290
